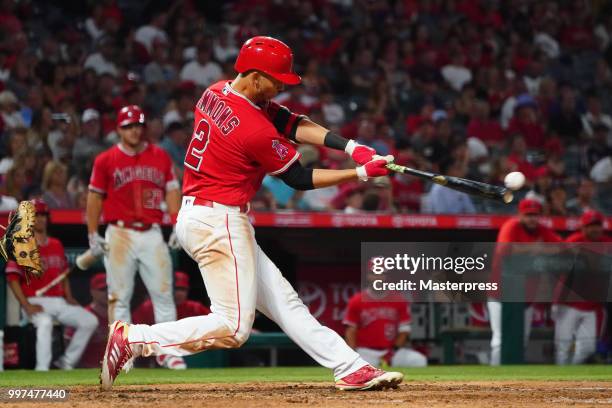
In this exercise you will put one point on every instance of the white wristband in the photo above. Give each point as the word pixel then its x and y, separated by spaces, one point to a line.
pixel 361 173
pixel 350 146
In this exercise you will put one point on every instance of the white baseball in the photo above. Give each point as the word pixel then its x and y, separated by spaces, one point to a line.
pixel 514 180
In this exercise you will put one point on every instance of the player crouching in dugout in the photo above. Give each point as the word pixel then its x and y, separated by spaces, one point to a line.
pixel 43 302
pixel 378 328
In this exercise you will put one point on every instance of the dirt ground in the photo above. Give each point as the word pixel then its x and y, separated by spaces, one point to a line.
pixel 413 394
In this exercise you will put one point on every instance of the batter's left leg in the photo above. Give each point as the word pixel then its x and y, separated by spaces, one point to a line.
pixel 156 273
pixel 277 299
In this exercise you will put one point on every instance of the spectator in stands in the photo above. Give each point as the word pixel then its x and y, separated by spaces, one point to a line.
pixel 602 170
pixel 155 30
pixel 442 200
pixel 9 111
pixel 90 143
pixel 541 186
pixel 102 60
pixel 202 71
pixel 224 49
pixel 566 122
pixel 456 74
pixel 8 203
pixel 378 328
pixel 483 127
pixel 17 145
pixel 15 183
pixel 160 76
pixel 595 116
pixel 184 308
pixel 57 303
pixel 518 156
pixel 181 107
pixel 54 186
pixel 61 137
pixel 596 148
pixel 556 201
pixel 175 143
pixel 525 121
pixel 585 198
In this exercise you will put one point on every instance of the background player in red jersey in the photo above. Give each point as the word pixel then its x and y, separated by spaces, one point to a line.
pixel 524 228
pixel 576 322
pixel 57 303
pixel 130 182
pixel 239 137
pixel 378 328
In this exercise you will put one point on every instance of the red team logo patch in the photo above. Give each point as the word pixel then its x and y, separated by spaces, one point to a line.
pixel 280 149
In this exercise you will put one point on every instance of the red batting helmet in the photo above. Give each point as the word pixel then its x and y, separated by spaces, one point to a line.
pixel 40 206
pixel 130 114
pixel 268 55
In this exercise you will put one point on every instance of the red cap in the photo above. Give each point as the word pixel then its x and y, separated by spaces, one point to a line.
pixel 530 206
pixel 130 114
pixel 40 206
pixel 591 217
pixel 181 280
pixel 98 281
pixel 268 55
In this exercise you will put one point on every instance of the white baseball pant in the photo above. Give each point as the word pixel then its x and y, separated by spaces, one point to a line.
pixel 1 350
pixel 146 252
pixel 56 307
pixel 495 319
pixel 239 278
pixel 404 357
pixel 574 326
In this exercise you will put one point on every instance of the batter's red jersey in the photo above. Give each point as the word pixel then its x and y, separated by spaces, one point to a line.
pixel 135 184
pixel 144 313
pixel 53 261
pixel 234 144
pixel 378 321
pixel 585 306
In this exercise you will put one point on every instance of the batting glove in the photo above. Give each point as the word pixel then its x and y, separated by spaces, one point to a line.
pixel 360 154
pixel 173 241
pixel 97 244
pixel 375 168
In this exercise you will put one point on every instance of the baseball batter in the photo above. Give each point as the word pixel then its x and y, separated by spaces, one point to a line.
pixel 239 136
pixel 129 182
pixel 56 303
pixel 576 322
pixel 524 228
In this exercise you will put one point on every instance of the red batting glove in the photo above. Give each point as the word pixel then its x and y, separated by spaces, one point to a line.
pixel 360 154
pixel 374 168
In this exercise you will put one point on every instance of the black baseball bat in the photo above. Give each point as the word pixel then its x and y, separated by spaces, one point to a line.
pixel 457 183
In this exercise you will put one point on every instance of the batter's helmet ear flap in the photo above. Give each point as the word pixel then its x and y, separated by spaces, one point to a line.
pixel 268 55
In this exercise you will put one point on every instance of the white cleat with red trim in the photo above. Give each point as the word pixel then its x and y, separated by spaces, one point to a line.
pixel 118 354
pixel 171 362
pixel 369 378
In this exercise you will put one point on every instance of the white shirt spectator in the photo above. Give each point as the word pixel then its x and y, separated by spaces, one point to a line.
pixel 456 76
pixel 548 45
pixel 6 164
pixel 147 34
pixel 602 170
pixel 93 30
pixel 8 203
pixel 333 113
pixel 588 120
pixel 224 53
pixel 201 75
pixel 320 198
pixel 101 65
pixel 507 112
pixel 443 200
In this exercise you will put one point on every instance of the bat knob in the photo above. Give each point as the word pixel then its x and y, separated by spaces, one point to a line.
pixel 508 196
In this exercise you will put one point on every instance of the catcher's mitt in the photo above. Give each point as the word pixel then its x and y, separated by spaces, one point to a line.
pixel 19 243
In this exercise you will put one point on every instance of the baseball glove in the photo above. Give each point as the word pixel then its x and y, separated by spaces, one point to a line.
pixel 19 243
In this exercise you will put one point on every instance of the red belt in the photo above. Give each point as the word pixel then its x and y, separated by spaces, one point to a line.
pixel 135 225
pixel 208 203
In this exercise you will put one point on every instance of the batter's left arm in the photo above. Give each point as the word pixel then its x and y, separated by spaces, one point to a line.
pixel 312 133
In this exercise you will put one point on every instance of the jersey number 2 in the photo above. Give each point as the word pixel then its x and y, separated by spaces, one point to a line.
pixel 197 146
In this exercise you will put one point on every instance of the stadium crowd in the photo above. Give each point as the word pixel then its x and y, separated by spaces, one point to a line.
pixel 470 88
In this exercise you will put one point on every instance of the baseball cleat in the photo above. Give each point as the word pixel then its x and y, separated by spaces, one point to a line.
pixel 118 354
pixel 171 362
pixel 369 378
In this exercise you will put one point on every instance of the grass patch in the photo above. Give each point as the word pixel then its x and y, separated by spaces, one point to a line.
pixel 27 378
